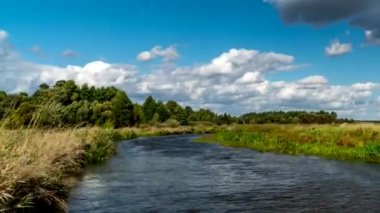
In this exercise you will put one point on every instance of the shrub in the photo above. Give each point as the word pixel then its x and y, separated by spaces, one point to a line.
pixel 172 123
pixel 101 146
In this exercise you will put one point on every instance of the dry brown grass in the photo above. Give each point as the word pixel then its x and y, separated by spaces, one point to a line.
pixel 36 161
pixel 167 130
pixel 31 153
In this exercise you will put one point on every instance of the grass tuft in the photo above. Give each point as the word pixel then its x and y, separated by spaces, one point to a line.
pixel 36 163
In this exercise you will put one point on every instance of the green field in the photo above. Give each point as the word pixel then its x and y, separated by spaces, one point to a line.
pixel 354 142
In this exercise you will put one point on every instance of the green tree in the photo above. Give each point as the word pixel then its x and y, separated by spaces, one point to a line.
pixel 183 116
pixel 138 114
pixel 149 109
pixel 64 91
pixel 162 112
pixel 83 113
pixel 122 109
pixel 101 112
pixel 23 115
pixel 85 93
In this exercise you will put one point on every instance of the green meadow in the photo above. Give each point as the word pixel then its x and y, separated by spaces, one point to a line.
pixel 352 142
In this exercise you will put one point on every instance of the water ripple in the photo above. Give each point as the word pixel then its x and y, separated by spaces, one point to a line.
pixel 173 174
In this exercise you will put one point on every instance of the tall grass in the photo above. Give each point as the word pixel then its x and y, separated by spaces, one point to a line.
pixel 162 130
pixel 36 165
pixel 359 142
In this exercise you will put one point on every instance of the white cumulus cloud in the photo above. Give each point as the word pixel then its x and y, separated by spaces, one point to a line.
pixel 168 55
pixel 96 73
pixel 4 44
pixel 3 35
pixel 337 49
pixel 249 78
pixel 234 82
pixel 314 80
pixel 237 61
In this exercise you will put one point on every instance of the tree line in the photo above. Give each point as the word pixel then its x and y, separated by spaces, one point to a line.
pixel 293 117
pixel 66 104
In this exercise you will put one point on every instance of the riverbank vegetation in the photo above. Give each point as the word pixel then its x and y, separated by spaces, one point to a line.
pixel 38 167
pixel 356 142
pixel 293 117
pixel 48 137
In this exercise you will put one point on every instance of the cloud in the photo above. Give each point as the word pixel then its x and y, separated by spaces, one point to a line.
pixel 337 49
pixel 313 80
pixel 3 35
pixel 371 37
pixel 69 53
pixel 236 82
pixel 168 55
pixel 4 44
pixel 19 75
pixel 26 76
pixel 145 56
pixel 361 13
pixel 96 73
pixel 249 78
pixel 16 74
pixel 237 61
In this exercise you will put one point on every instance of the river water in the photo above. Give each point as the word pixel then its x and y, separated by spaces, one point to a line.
pixel 173 174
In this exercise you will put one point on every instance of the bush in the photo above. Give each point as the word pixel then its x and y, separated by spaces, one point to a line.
pixel 172 123
pixel 101 146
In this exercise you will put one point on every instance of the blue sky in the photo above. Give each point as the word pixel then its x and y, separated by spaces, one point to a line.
pixel 116 31
pixel 119 29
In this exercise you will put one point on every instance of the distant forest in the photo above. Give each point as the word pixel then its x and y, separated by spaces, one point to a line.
pixel 67 104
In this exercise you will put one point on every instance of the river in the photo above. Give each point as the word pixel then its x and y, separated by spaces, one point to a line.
pixel 174 174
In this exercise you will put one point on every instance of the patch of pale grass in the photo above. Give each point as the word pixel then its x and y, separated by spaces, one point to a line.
pixel 27 155
pixel 31 153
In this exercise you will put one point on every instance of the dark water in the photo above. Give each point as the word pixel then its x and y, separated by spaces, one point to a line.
pixel 172 174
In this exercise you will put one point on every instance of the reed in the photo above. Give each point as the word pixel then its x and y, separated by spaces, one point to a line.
pixel 36 165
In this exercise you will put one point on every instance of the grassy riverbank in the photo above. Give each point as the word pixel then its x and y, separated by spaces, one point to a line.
pixel 357 142
pixel 38 167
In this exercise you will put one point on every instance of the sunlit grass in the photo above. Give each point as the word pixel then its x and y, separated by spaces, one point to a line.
pixel 149 130
pixel 37 166
pixel 360 142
